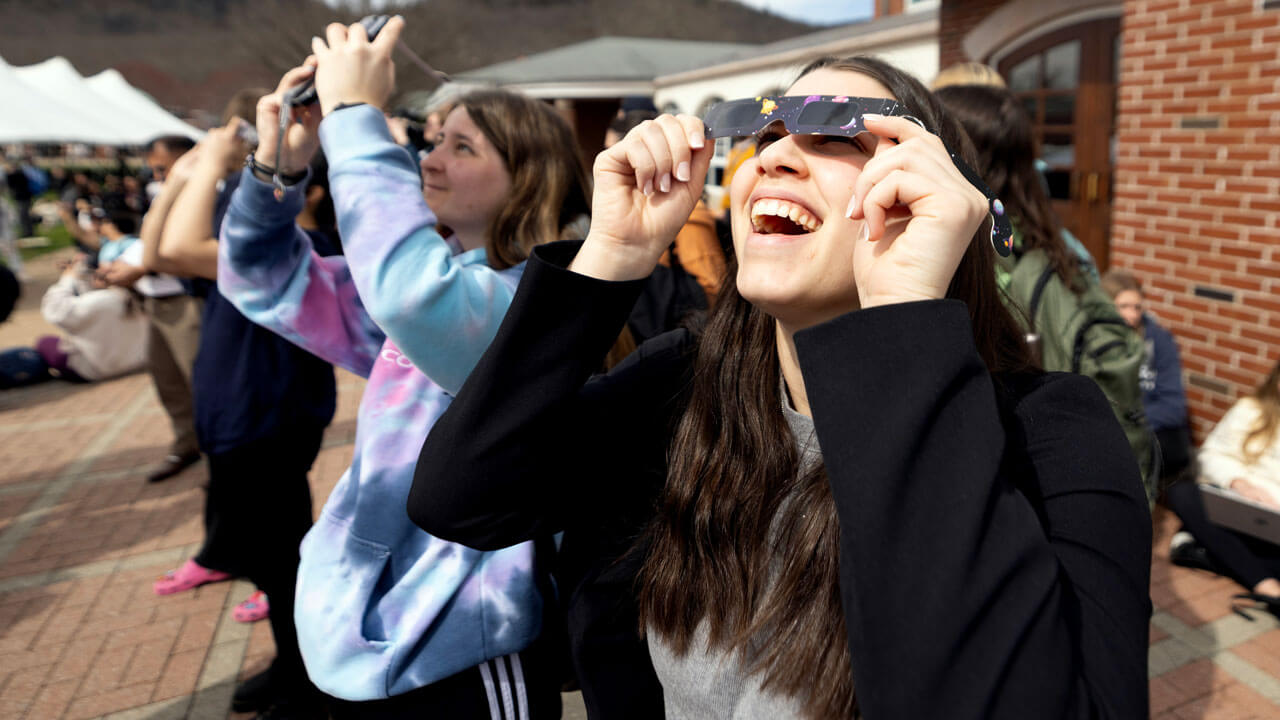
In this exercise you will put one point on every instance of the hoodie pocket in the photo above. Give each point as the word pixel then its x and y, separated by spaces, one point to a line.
pixel 337 584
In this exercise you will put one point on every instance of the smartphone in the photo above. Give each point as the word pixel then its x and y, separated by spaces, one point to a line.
pixel 305 94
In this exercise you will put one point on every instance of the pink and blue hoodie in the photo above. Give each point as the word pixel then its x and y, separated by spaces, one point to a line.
pixel 382 607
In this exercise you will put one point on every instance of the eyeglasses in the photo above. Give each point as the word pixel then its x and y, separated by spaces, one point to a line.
pixel 837 115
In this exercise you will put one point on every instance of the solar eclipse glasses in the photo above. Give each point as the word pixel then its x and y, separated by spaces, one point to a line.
pixel 837 115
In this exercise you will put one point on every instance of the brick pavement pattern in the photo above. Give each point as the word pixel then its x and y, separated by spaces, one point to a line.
pixel 82 535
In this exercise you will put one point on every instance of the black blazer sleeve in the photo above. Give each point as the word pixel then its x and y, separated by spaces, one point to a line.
pixel 532 441
pixel 989 569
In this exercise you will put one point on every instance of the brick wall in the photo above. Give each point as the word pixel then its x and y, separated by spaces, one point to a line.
pixel 955 18
pixel 1197 186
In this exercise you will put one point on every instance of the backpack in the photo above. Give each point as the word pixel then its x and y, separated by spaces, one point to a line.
pixel 1084 334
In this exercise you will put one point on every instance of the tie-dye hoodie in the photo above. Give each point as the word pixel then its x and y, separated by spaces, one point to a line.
pixel 382 607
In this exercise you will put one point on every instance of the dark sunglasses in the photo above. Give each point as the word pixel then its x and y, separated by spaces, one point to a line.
pixel 837 115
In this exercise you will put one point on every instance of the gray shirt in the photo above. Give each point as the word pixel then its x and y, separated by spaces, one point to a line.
pixel 711 684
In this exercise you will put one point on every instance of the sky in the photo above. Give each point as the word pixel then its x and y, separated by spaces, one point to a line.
pixel 817 12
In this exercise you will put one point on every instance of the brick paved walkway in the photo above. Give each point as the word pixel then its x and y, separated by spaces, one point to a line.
pixel 82 535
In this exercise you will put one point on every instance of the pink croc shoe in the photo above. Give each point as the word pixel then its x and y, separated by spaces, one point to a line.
pixel 190 575
pixel 253 609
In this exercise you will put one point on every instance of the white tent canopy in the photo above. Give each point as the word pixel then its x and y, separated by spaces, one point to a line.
pixel 111 84
pixel 51 102
pixel 31 115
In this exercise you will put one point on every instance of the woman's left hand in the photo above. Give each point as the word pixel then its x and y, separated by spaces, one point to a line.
pixel 352 69
pixel 919 215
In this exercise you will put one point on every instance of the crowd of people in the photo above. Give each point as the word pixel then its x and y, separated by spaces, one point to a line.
pixel 878 441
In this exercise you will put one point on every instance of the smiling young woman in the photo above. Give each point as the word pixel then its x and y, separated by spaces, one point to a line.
pixel 852 494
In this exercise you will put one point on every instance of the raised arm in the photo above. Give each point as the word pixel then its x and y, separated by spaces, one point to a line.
pixel 440 309
pixel 960 599
pixel 187 243
pixel 269 270
pixel 267 266
pixel 529 444
pixel 153 222
pixel 85 237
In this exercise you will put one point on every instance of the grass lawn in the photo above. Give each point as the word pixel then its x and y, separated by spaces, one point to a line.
pixel 57 236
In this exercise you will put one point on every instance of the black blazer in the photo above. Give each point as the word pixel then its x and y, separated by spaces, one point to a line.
pixel 995 539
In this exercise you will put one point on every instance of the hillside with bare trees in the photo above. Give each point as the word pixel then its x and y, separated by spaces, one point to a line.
pixel 193 54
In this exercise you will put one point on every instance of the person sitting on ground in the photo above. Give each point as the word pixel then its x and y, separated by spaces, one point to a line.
pixel 105 334
pixel 853 495
pixel 1163 397
pixel 1241 454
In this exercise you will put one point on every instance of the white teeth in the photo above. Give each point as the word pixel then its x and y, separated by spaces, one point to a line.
pixel 783 209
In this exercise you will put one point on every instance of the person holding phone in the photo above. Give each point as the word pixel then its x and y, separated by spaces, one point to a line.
pixel 393 622
pixel 852 495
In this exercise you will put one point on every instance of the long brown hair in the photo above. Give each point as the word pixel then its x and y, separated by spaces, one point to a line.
pixel 1006 148
pixel 550 188
pixel 743 539
pixel 1262 434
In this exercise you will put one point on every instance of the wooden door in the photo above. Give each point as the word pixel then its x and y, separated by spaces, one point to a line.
pixel 1067 83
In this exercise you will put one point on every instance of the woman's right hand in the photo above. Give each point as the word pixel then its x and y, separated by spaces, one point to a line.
pixel 645 188
pixel 303 137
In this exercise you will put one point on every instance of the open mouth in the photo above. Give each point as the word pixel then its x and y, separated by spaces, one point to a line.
pixel 770 216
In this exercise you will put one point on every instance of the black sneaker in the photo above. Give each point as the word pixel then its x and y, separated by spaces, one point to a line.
pixel 1270 603
pixel 172 465
pixel 255 694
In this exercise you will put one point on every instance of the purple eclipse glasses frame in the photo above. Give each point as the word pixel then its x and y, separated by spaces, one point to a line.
pixel 837 115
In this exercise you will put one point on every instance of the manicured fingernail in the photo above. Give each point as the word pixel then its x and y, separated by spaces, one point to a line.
pixel 865 234
pixel 853 203
pixel 696 140
pixel 682 172
pixel 648 187
pixel 872 117
pixel 664 183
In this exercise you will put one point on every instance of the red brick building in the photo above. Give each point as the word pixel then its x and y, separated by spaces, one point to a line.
pixel 1160 121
